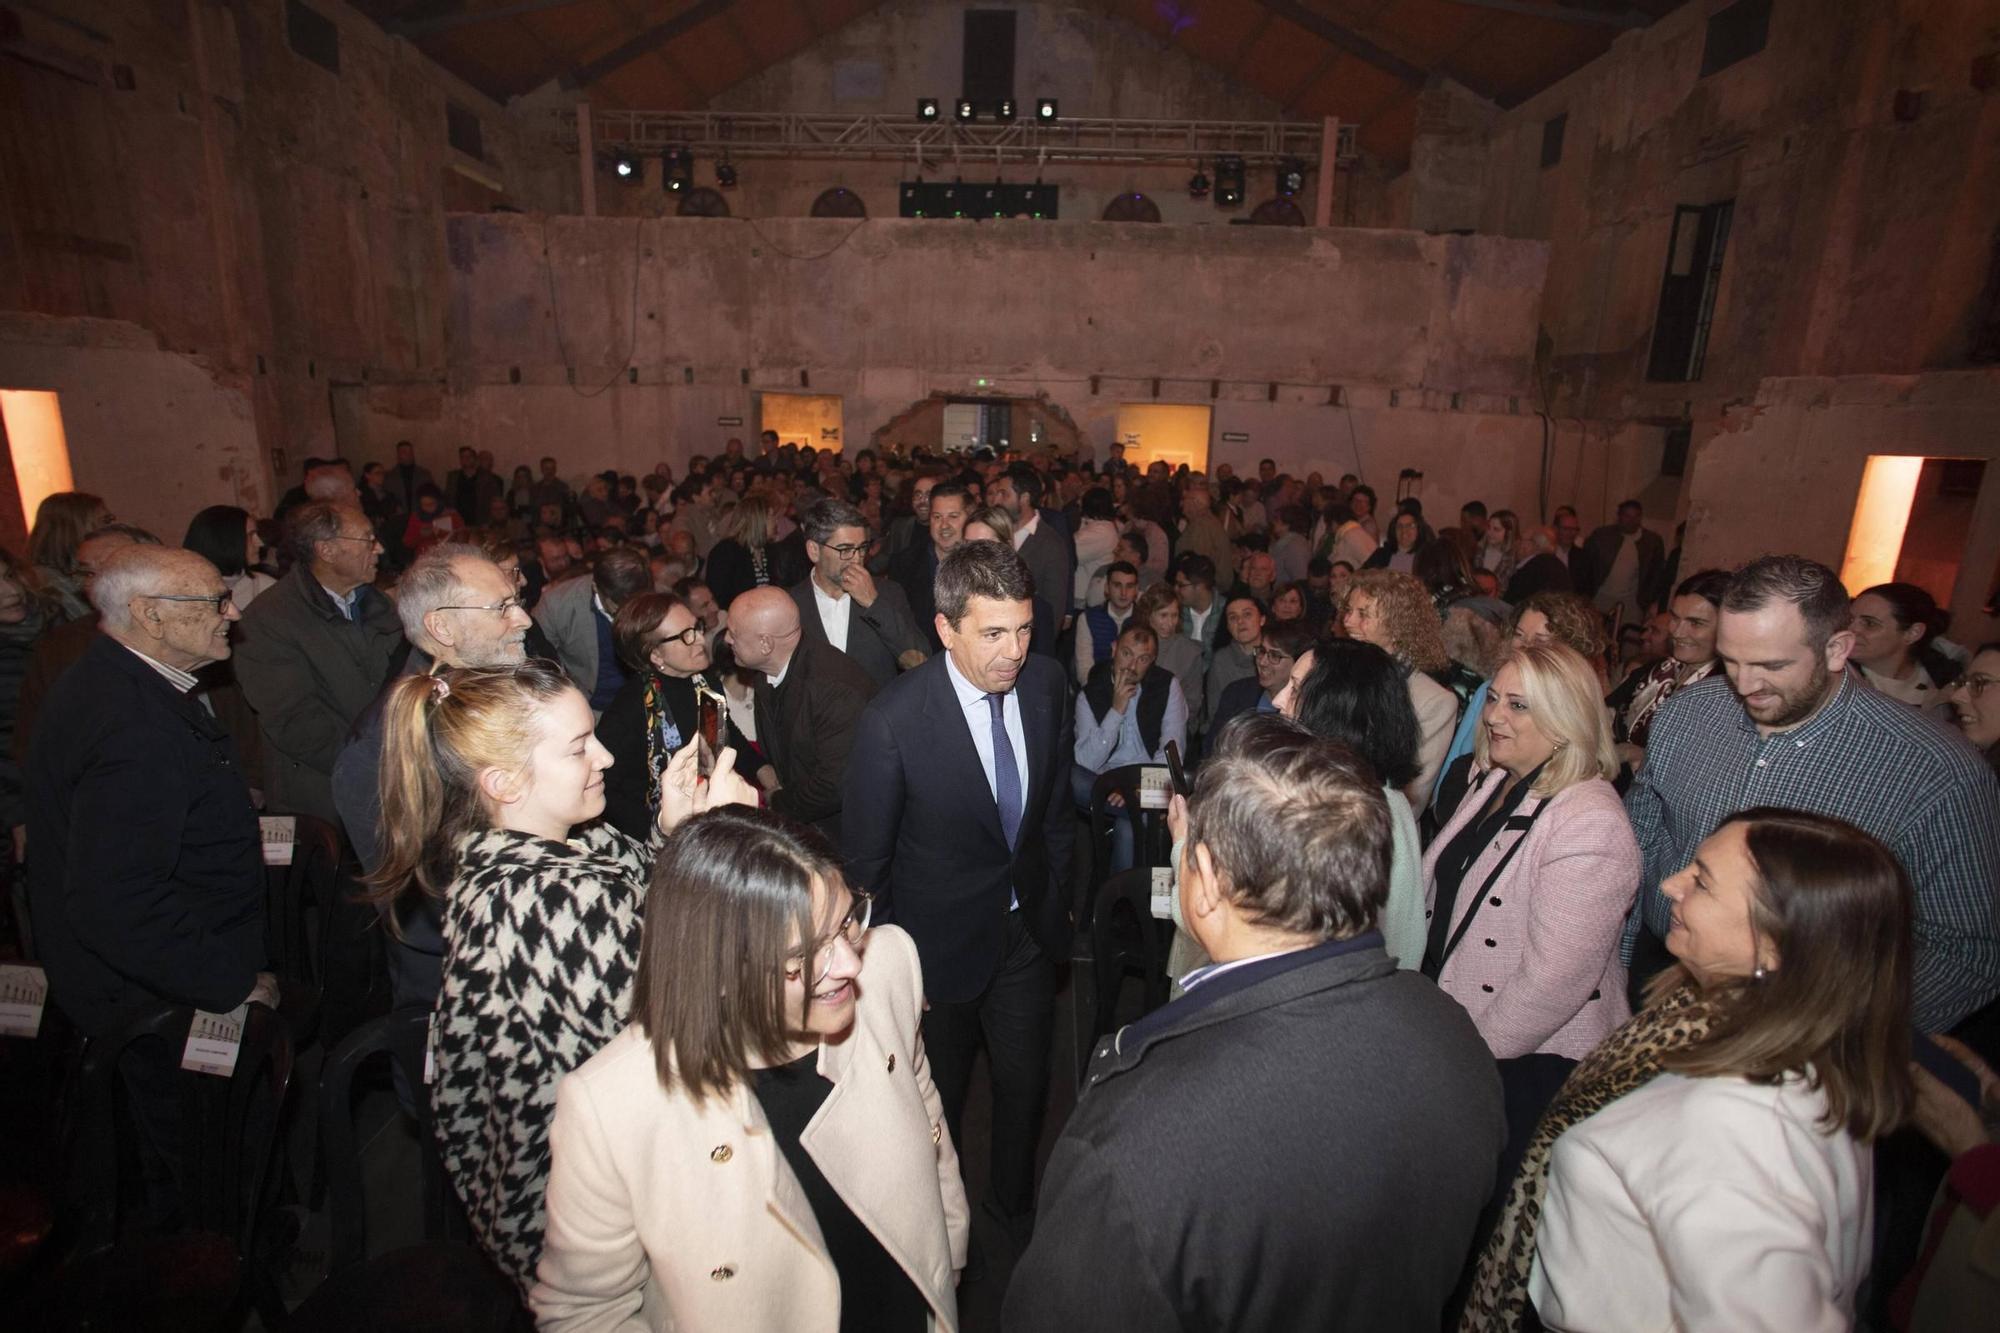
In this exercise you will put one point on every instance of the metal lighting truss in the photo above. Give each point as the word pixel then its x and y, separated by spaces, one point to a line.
pixel 945 142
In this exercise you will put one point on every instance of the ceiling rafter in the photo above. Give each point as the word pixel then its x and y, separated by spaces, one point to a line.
pixel 645 43
pixel 1624 18
pixel 1244 48
pixel 427 19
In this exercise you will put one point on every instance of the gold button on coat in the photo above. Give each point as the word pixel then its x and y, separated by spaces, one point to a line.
pixel 721 1153
pixel 722 1274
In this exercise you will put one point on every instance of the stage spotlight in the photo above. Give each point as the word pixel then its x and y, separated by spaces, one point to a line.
pixel 1228 182
pixel 1004 109
pixel 627 167
pixel 1045 110
pixel 1197 184
pixel 927 108
pixel 676 170
pixel 725 174
pixel 963 110
pixel 1291 177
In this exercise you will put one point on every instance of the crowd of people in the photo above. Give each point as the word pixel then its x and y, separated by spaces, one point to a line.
pixel 1561 938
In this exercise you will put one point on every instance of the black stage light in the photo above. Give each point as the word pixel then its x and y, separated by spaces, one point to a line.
pixel 725 174
pixel 1291 177
pixel 1004 109
pixel 1045 110
pixel 1197 184
pixel 1228 182
pixel 927 108
pixel 676 170
pixel 627 167
pixel 963 110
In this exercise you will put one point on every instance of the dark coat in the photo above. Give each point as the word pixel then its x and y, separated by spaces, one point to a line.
pixel 622 731
pixel 914 569
pixel 147 878
pixel 310 672
pixel 1600 551
pixel 1304 1143
pixel 1543 573
pixel 876 635
pixel 1238 697
pixel 806 726
pixel 919 828
pixel 1050 556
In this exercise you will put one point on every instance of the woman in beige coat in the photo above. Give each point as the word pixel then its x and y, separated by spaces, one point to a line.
pixel 763 1148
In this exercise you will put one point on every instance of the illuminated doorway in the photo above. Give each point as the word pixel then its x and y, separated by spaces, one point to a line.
pixel 1911 523
pixel 1170 433
pixel 802 418
pixel 37 455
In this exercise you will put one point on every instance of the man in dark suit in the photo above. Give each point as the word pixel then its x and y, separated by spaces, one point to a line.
pixel 915 568
pixel 147 878
pixel 958 818
pixel 1544 571
pixel 842 604
pixel 1247 1156
pixel 1044 547
pixel 808 699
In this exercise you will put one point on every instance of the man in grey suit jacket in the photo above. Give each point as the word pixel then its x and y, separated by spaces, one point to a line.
pixel 842 604
pixel 1248 1155
pixel 576 616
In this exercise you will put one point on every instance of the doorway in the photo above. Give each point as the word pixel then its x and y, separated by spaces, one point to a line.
pixel 37 456
pixel 802 419
pixel 1170 433
pixel 1912 520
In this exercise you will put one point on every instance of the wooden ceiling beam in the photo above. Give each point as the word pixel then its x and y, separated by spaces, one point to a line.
pixel 645 43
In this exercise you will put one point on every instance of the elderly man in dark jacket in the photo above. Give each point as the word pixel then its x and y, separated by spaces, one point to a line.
pixel 147 880
pixel 316 648
pixel 1305 1139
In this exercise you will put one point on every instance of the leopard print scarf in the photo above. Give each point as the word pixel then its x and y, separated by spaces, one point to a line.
pixel 1623 1062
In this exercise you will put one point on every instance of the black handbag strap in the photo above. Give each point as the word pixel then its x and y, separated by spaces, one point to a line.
pixel 1513 823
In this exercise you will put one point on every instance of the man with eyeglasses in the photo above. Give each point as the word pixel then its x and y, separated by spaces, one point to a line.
pixel 808 697
pixel 316 648
pixel 458 609
pixel 840 603
pixel 147 883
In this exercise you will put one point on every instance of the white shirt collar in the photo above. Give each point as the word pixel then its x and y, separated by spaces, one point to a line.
pixel 824 596
pixel 179 679
pixel 968 693
pixel 1027 530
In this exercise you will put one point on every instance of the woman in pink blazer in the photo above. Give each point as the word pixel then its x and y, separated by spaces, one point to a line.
pixel 1527 885
pixel 763 1148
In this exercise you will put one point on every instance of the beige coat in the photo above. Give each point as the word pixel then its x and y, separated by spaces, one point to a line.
pixel 664 1214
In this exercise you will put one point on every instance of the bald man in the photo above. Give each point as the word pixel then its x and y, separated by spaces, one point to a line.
pixel 147 882
pixel 809 696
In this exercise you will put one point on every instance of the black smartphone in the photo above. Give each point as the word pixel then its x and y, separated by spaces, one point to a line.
pixel 1946 1067
pixel 1175 773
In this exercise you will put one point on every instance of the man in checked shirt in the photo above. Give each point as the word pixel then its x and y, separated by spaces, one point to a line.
pixel 1788 725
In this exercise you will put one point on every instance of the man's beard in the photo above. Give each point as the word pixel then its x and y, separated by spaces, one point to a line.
pixel 1796 708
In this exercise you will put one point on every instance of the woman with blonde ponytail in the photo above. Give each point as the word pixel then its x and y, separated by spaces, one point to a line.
pixel 491 784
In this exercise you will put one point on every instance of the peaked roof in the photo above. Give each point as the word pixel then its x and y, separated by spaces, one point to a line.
pixel 1364 61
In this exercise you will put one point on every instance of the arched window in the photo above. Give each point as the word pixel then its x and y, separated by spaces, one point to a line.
pixel 702 202
pixel 1278 213
pixel 1131 207
pixel 839 202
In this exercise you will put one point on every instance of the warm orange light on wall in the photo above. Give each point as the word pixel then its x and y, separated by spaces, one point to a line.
pixel 1881 513
pixel 37 446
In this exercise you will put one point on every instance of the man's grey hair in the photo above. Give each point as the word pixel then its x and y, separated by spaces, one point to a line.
pixel 828 516
pixel 315 523
pixel 1543 539
pixel 136 570
pixel 434 579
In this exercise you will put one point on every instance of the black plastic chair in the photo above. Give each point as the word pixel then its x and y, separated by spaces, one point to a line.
pixel 1125 940
pixel 441 1282
pixel 205 1273
pixel 1152 842
pixel 310 881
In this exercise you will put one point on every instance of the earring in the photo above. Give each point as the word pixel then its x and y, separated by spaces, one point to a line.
pixel 1758 973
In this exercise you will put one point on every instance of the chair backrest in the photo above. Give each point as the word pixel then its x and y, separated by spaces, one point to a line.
pixel 1154 845
pixel 1115 951
pixel 311 879
pixel 401 1037
pixel 227 1135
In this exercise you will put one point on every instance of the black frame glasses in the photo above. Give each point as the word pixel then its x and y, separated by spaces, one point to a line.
pixel 216 603
pixel 687 638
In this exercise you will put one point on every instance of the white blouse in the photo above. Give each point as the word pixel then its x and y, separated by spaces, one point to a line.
pixel 1704 1204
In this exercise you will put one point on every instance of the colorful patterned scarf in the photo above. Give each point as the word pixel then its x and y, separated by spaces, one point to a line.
pixel 1623 1062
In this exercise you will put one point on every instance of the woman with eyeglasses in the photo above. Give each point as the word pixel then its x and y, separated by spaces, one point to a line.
pixel 1975 703
pixel 763 1148
pixel 491 787
pixel 672 697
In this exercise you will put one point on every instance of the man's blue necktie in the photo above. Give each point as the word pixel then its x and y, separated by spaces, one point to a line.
pixel 1006 774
